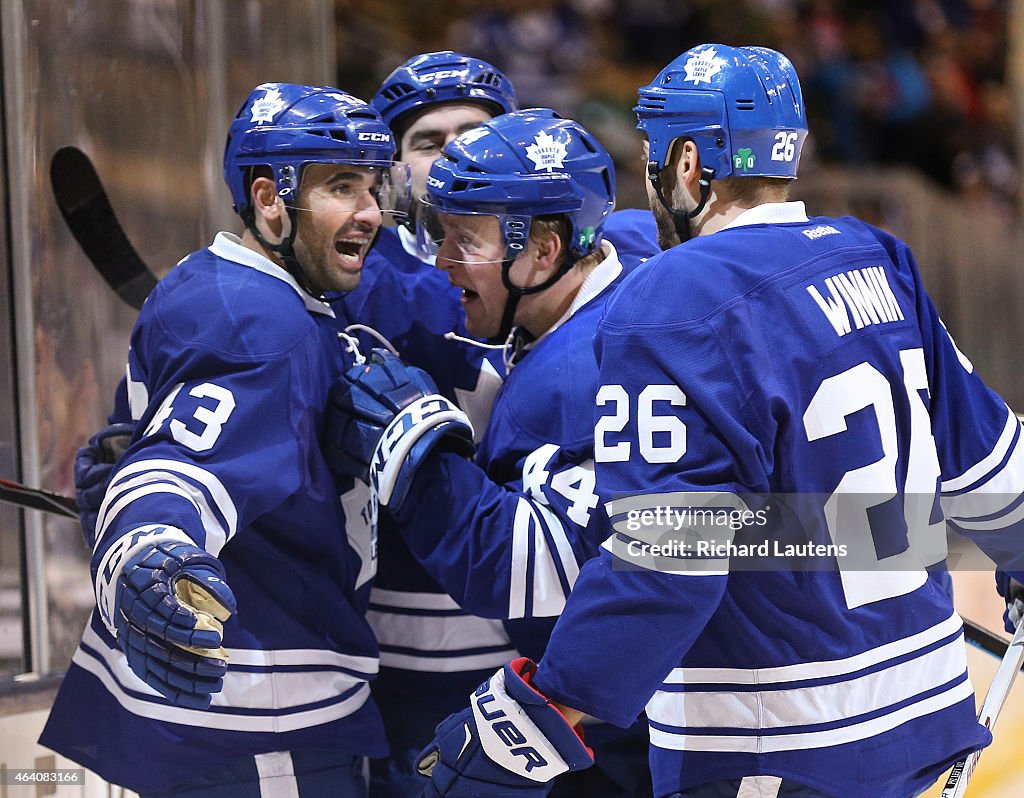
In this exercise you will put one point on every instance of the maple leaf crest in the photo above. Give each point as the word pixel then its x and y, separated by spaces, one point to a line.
pixel 267 107
pixel 546 152
pixel 703 66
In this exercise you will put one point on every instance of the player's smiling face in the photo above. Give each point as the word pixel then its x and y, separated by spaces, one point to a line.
pixel 337 218
pixel 471 254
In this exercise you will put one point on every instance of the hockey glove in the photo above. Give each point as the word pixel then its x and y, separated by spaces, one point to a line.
pixel 510 742
pixel 1011 590
pixel 93 466
pixel 383 418
pixel 165 600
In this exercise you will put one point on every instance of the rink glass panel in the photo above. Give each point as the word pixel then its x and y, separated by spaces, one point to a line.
pixel 146 88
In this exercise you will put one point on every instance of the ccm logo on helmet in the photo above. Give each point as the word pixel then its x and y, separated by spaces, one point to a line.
pixel 507 732
pixel 374 137
pixel 441 74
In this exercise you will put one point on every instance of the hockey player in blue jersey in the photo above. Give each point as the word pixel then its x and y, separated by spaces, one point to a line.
pixel 515 210
pixel 229 653
pixel 790 372
pixel 432 651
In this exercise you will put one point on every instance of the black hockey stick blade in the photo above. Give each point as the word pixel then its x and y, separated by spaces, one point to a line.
pixel 37 499
pixel 89 215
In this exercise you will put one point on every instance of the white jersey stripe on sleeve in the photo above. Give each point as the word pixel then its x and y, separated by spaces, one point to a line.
pixel 108 514
pixel 990 498
pixel 546 589
pixel 219 515
pixel 569 569
pixel 982 469
pixel 520 558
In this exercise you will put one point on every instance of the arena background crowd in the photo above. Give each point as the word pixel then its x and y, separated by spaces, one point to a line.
pixel 922 83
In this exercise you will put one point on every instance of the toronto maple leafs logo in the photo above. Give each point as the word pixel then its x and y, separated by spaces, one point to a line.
pixel 267 107
pixel 546 152
pixel 703 66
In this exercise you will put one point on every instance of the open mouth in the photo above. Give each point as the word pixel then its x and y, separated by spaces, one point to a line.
pixel 351 251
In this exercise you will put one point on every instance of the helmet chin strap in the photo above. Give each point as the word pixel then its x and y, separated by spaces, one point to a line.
pixel 285 182
pixel 515 293
pixel 681 219
pixel 285 248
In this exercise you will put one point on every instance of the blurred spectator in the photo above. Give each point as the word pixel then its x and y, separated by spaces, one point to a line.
pixel 896 82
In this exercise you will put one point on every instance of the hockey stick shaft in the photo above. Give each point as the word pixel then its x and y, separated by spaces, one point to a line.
pixel 37 499
pixel 86 208
pixel 985 639
pixel 995 698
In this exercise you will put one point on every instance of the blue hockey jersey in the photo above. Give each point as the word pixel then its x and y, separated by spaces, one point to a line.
pixel 228 374
pixel 793 367
pixel 505 534
pixel 432 652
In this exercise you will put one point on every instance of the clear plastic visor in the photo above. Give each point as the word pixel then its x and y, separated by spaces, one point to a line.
pixel 381 186
pixel 468 236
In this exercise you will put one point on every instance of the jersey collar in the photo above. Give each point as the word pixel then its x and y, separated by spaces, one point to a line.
pixel 230 247
pixel 770 213
pixel 600 277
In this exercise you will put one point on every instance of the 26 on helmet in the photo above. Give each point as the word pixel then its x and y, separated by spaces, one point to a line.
pixel 444 76
pixel 742 106
pixel 521 165
pixel 285 127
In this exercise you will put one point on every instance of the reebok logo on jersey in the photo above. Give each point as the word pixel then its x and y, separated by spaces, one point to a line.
pixel 820 231
pixel 862 295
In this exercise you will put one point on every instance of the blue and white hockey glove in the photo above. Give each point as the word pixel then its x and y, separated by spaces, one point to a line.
pixel 510 742
pixel 383 418
pixel 93 466
pixel 166 601
pixel 1012 590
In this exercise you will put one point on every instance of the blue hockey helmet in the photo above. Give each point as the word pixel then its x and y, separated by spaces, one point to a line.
pixel 521 165
pixel 742 106
pixel 444 76
pixel 285 127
